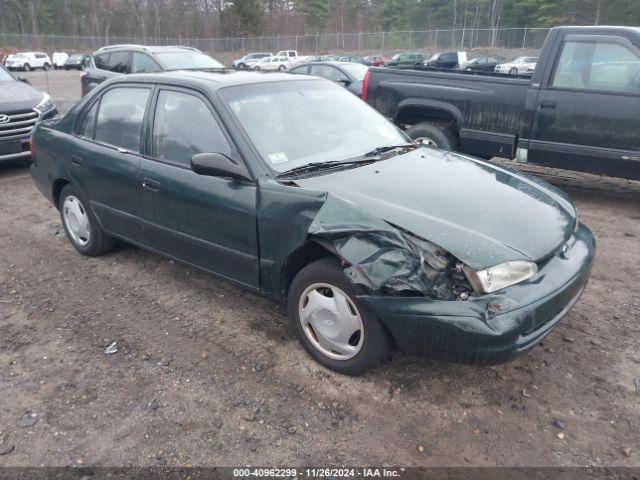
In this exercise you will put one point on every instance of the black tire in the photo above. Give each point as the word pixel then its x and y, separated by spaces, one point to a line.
pixel 99 243
pixel 376 345
pixel 513 71
pixel 282 68
pixel 27 67
pixel 46 67
pixel 241 66
pixel 439 136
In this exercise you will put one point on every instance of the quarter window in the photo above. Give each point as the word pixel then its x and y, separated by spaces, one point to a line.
pixel 87 128
pixel 603 66
pixel 101 61
pixel 120 117
pixel 183 127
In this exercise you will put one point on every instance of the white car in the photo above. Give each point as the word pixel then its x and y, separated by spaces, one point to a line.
pixel 59 59
pixel 250 60
pixel 519 66
pixel 28 61
pixel 272 64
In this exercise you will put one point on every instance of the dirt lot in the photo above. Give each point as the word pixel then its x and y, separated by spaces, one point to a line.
pixel 208 374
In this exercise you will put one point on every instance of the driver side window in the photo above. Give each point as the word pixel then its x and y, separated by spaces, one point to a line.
pixel 184 126
pixel 603 66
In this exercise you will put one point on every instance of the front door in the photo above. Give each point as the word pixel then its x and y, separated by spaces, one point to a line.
pixel 105 160
pixel 587 117
pixel 205 221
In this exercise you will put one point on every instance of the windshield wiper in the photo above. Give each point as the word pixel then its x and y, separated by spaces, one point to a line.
pixel 389 148
pixel 316 166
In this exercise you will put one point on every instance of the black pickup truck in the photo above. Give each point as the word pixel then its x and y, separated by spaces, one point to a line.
pixel 580 110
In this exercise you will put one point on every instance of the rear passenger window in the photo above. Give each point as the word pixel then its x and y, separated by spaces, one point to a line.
pixel 183 127
pixel 119 62
pixel 143 63
pixel 101 61
pixel 87 127
pixel 120 117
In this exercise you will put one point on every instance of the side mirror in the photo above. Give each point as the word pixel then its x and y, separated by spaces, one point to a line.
pixel 345 82
pixel 218 165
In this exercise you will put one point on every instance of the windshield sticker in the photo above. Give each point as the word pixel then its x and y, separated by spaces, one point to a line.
pixel 279 157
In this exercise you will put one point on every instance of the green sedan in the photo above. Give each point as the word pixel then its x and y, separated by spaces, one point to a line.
pixel 293 188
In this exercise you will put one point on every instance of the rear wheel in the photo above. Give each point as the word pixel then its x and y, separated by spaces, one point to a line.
pixel 281 68
pixel 80 224
pixel 332 325
pixel 27 67
pixel 513 71
pixel 46 66
pixel 433 135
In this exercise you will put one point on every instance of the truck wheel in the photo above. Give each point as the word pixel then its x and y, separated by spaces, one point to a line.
pixel 432 135
pixel 332 325
pixel 513 71
pixel 80 224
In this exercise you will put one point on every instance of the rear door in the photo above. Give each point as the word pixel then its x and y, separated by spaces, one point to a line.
pixel 586 118
pixel 206 221
pixel 106 157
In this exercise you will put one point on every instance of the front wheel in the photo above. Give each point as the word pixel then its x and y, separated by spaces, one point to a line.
pixel 46 67
pixel 332 325
pixel 513 71
pixel 433 135
pixel 281 68
pixel 27 67
pixel 80 224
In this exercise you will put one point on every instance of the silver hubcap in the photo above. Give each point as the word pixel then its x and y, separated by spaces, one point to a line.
pixel 76 220
pixel 425 141
pixel 331 321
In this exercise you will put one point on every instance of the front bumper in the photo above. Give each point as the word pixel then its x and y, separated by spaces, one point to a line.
pixel 497 327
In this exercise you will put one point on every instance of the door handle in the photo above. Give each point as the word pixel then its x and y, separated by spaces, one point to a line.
pixel 76 161
pixel 547 104
pixel 150 184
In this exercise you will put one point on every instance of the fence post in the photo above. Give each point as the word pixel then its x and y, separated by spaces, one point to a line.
pixel 316 42
pixel 435 41
pixel 360 41
pixel 382 40
pixel 524 39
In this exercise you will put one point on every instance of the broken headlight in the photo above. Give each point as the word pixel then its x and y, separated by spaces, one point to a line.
pixel 500 276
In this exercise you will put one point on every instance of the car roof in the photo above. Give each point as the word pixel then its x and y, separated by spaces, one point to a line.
pixel 209 80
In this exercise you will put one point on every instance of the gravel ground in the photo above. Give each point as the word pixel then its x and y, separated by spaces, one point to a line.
pixel 208 374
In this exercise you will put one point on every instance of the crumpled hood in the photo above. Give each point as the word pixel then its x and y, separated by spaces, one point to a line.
pixel 16 96
pixel 481 213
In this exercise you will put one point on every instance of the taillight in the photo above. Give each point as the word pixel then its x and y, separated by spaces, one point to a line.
pixel 365 85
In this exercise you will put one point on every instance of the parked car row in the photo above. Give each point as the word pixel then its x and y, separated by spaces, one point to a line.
pixel 27 61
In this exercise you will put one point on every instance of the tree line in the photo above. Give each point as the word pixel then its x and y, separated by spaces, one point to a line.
pixel 149 19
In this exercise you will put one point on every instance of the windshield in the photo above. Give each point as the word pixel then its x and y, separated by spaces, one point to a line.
pixel 186 60
pixel 5 76
pixel 296 123
pixel 357 70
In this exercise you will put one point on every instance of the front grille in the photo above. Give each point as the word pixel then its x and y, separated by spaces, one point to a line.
pixel 20 124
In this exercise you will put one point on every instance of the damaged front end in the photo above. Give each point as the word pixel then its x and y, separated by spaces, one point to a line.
pixel 386 259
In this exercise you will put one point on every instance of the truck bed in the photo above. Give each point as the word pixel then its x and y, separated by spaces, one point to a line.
pixel 478 102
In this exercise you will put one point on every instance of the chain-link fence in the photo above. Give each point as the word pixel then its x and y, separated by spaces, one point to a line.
pixel 459 39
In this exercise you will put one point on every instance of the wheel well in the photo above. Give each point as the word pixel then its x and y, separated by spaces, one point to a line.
pixel 415 115
pixel 298 259
pixel 58 185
